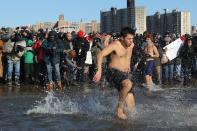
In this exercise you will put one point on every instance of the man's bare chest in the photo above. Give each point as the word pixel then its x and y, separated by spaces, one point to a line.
pixel 123 53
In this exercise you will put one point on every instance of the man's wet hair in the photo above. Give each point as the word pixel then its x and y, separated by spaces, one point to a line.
pixel 125 31
pixel 149 35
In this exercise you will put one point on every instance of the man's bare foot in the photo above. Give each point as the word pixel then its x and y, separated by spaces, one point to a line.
pixel 121 115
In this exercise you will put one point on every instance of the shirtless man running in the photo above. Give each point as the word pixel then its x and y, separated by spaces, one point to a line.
pixel 119 69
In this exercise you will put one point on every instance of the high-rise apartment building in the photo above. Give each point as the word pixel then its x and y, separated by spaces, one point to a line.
pixel 115 19
pixel 174 22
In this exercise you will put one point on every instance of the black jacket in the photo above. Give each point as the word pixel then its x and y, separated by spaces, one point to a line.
pixel 81 47
pixel 187 55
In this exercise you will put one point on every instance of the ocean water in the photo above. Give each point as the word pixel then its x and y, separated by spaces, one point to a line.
pixel 88 107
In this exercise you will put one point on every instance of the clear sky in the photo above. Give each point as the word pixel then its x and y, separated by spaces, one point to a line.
pixel 23 12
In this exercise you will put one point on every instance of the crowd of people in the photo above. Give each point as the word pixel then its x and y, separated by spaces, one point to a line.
pixel 56 59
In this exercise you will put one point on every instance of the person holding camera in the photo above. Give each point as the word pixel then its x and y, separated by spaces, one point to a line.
pixel 53 50
pixel 81 47
pixel 14 50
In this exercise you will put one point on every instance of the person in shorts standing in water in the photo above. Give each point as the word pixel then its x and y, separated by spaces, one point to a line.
pixel 119 69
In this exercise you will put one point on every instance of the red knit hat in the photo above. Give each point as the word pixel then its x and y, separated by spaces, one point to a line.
pixel 88 37
pixel 80 34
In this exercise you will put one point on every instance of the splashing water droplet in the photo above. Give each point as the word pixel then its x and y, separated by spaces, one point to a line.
pixel 54 105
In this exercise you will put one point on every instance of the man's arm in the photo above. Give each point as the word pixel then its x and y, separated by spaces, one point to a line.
pixel 106 51
pixel 155 51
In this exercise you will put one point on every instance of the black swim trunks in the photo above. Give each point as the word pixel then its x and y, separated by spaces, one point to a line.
pixel 115 77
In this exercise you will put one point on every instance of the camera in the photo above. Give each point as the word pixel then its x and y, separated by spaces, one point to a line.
pixel 5 37
pixel 115 35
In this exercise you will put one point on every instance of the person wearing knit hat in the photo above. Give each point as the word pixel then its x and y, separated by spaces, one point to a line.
pixel 80 34
pixel 53 49
pixel 29 43
pixel 81 47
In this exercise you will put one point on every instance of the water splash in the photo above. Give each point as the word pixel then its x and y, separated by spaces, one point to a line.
pixel 153 87
pixel 95 103
pixel 54 105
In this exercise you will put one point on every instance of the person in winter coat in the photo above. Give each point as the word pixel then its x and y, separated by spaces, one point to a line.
pixel 187 55
pixel 53 49
pixel 40 68
pixel 14 57
pixel 81 47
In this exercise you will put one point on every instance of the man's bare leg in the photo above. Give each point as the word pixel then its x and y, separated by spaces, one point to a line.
pixel 147 79
pixel 149 82
pixel 158 69
pixel 120 109
pixel 126 87
pixel 130 101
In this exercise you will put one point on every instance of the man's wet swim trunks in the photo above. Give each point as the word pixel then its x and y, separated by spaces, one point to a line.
pixel 115 77
pixel 149 67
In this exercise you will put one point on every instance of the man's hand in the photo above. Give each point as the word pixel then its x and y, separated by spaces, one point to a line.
pixel 97 77
pixel 132 45
pixel 165 50
pixel 107 39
